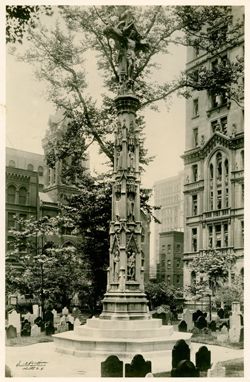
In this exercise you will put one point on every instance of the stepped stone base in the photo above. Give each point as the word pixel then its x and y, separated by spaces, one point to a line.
pixel 124 338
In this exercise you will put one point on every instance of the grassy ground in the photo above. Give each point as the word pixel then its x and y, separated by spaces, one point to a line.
pixel 210 340
pixel 234 367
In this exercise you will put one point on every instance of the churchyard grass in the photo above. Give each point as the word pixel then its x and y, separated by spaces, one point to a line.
pixel 25 341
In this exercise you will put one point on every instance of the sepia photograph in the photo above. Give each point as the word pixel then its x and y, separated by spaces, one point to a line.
pixel 124 190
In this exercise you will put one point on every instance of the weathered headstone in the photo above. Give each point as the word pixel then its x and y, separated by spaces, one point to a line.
pixel 26 329
pixel 217 371
pixel 39 322
pixel 14 319
pixel 180 352
pixel 35 331
pixel 77 322
pixel 201 322
pixel 54 312
pixel 182 327
pixel 223 335
pixel 203 359
pixel 212 326
pixel 188 317
pixel 112 367
pixel 197 314
pixel 65 311
pixel 184 369
pixel 138 367
pixel 236 323
pixel 221 313
pixel 11 332
pixel 35 310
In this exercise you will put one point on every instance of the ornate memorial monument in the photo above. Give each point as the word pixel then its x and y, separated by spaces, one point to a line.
pixel 125 326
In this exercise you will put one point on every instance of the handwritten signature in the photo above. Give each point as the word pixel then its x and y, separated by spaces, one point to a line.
pixel 32 365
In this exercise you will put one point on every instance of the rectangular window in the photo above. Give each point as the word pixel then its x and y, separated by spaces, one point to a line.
pixel 210 236
pixel 168 279
pixel 218 236
pixel 226 197
pixel 195 107
pixel 214 126
pixel 225 235
pixel 194 239
pixel 169 264
pixel 223 123
pixel 178 263
pixel 169 248
pixel 211 200
pixel 178 279
pixel 195 136
pixel 218 199
pixel 178 248
pixel 194 205
pixel 195 172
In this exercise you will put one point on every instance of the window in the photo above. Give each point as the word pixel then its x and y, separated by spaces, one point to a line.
pixel 219 205
pixel 219 166
pixel 22 195
pixel 211 200
pixel 225 227
pixel 178 263
pixel 169 264
pixel 242 193
pixel 142 235
pixel 10 243
pixel 242 231
pixel 30 167
pixel 193 278
pixel 195 136
pixel 169 248
pixel 242 158
pixel 210 236
pixel 11 220
pixel 226 198
pixel 12 163
pixel 214 65
pixel 194 239
pixel 23 245
pixel 178 248
pixel 195 107
pixel 168 279
pixel 11 196
pixel 194 205
pixel 195 172
pixel 215 126
pixel 178 279
pixel 218 236
pixel 40 171
pixel 196 51
pixel 223 123
pixel 21 225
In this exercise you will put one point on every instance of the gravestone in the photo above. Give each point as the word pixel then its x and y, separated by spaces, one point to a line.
pixel 184 369
pixel 197 314
pixel 217 371
pixel 182 327
pixel 221 313
pixel 112 367
pixel 35 310
pixel 180 352
pixel 27 316
pixel 35 331
pixel 11 332
pixel 203 359
pixel 212 326
pixel 188 317
pixel 201 322
pixel 224 330
pixel 223 335
pixel 54 312
pixel 77 322
pixel 138 367
pixel 49 323
pixel 25 332
pixel 65 311
pixel 39 322
pixel 236 323
pixel 14 319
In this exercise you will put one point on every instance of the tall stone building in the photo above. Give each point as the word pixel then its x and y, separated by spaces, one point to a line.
pixel 168 195
pixel 214 166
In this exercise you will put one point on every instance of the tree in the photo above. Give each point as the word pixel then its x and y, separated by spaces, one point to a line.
pixel 162 294
pixel 227 294
pixel 19 18
pixel 216 266
pixel 59 58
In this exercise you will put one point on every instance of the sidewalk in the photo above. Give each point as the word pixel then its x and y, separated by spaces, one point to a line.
pixel 41 360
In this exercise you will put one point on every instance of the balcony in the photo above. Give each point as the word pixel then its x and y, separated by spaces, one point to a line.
pixel 217 214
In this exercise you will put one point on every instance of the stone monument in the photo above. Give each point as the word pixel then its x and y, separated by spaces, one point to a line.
pixel 125 327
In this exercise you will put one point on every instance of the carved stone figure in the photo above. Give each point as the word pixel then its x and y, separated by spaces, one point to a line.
pixel 116 260
pixel 131 266
pixel 131 205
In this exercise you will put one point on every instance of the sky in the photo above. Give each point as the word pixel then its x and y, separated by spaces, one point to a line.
pixel 28 111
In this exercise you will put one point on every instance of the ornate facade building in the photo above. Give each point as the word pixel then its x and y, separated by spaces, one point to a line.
pixel 214 166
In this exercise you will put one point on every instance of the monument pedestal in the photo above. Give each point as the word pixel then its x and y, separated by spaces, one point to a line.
pixel 124 338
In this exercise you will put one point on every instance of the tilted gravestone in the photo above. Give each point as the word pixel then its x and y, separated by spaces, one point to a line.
pixel 138 367
pixel 184 369
pixel 203 359
pixel 112 367
pixel 11 332
pixel 182 327
pixel 212 326
pixel 201 322
pixel 188 317
pixel 180 352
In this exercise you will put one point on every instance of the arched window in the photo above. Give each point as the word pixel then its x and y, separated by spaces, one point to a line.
pixel 218 192
pixel 40 171
pixel 12 163
pixel 30 167
pixel 11 196
pixel 22 195
pixel 226 167
pixel 211 171
pixel 219 166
